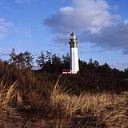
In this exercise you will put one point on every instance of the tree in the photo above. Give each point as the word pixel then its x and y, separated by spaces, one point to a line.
pixel 96 63
pixel 41 59
pixel 126 72
pixel 66 61
pixel 83 66
pixel 21 60
pixel 12 56
pixel 45 61
pixel 28 59
pixel 56 64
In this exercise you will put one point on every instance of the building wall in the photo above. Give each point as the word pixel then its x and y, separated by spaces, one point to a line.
pixel 74 60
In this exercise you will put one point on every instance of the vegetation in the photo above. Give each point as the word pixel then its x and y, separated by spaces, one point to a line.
pixel 95 98
pixel 92 76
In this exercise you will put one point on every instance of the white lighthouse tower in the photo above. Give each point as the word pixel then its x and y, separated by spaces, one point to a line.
pixel 74 61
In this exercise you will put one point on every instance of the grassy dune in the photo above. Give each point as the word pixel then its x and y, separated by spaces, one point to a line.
pixel 30 108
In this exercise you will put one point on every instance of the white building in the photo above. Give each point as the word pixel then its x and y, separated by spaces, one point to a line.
pixel 74 61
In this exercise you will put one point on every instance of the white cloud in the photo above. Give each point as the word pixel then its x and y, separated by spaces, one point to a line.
pixel 93 21
pixel 67 10
pixel 113 37
pixel 126 22
pixel 4 27
pixel 91 15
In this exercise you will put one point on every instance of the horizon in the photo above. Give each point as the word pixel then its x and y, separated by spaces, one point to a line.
pixel 35 25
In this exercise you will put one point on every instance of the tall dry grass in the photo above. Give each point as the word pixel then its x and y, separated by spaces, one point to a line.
pixel 61 109
pixel 9 95
pixel 110 109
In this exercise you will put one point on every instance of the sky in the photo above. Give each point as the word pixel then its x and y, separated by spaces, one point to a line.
pixel 35 25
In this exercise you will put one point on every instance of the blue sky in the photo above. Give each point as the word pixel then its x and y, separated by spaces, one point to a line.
pixel 35 25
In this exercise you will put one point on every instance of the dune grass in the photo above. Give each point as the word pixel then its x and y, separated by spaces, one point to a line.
pixel 61 109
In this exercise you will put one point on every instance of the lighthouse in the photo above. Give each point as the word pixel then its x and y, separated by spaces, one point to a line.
pixel 74 61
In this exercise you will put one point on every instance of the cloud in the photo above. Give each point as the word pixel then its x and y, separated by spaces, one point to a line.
pixel 93 21
pixel 113 37
pixel 126 51
pixel 91 15
pixel 4 27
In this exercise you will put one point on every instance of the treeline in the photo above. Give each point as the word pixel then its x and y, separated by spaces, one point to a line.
pixel 48 62
pixel 92 76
